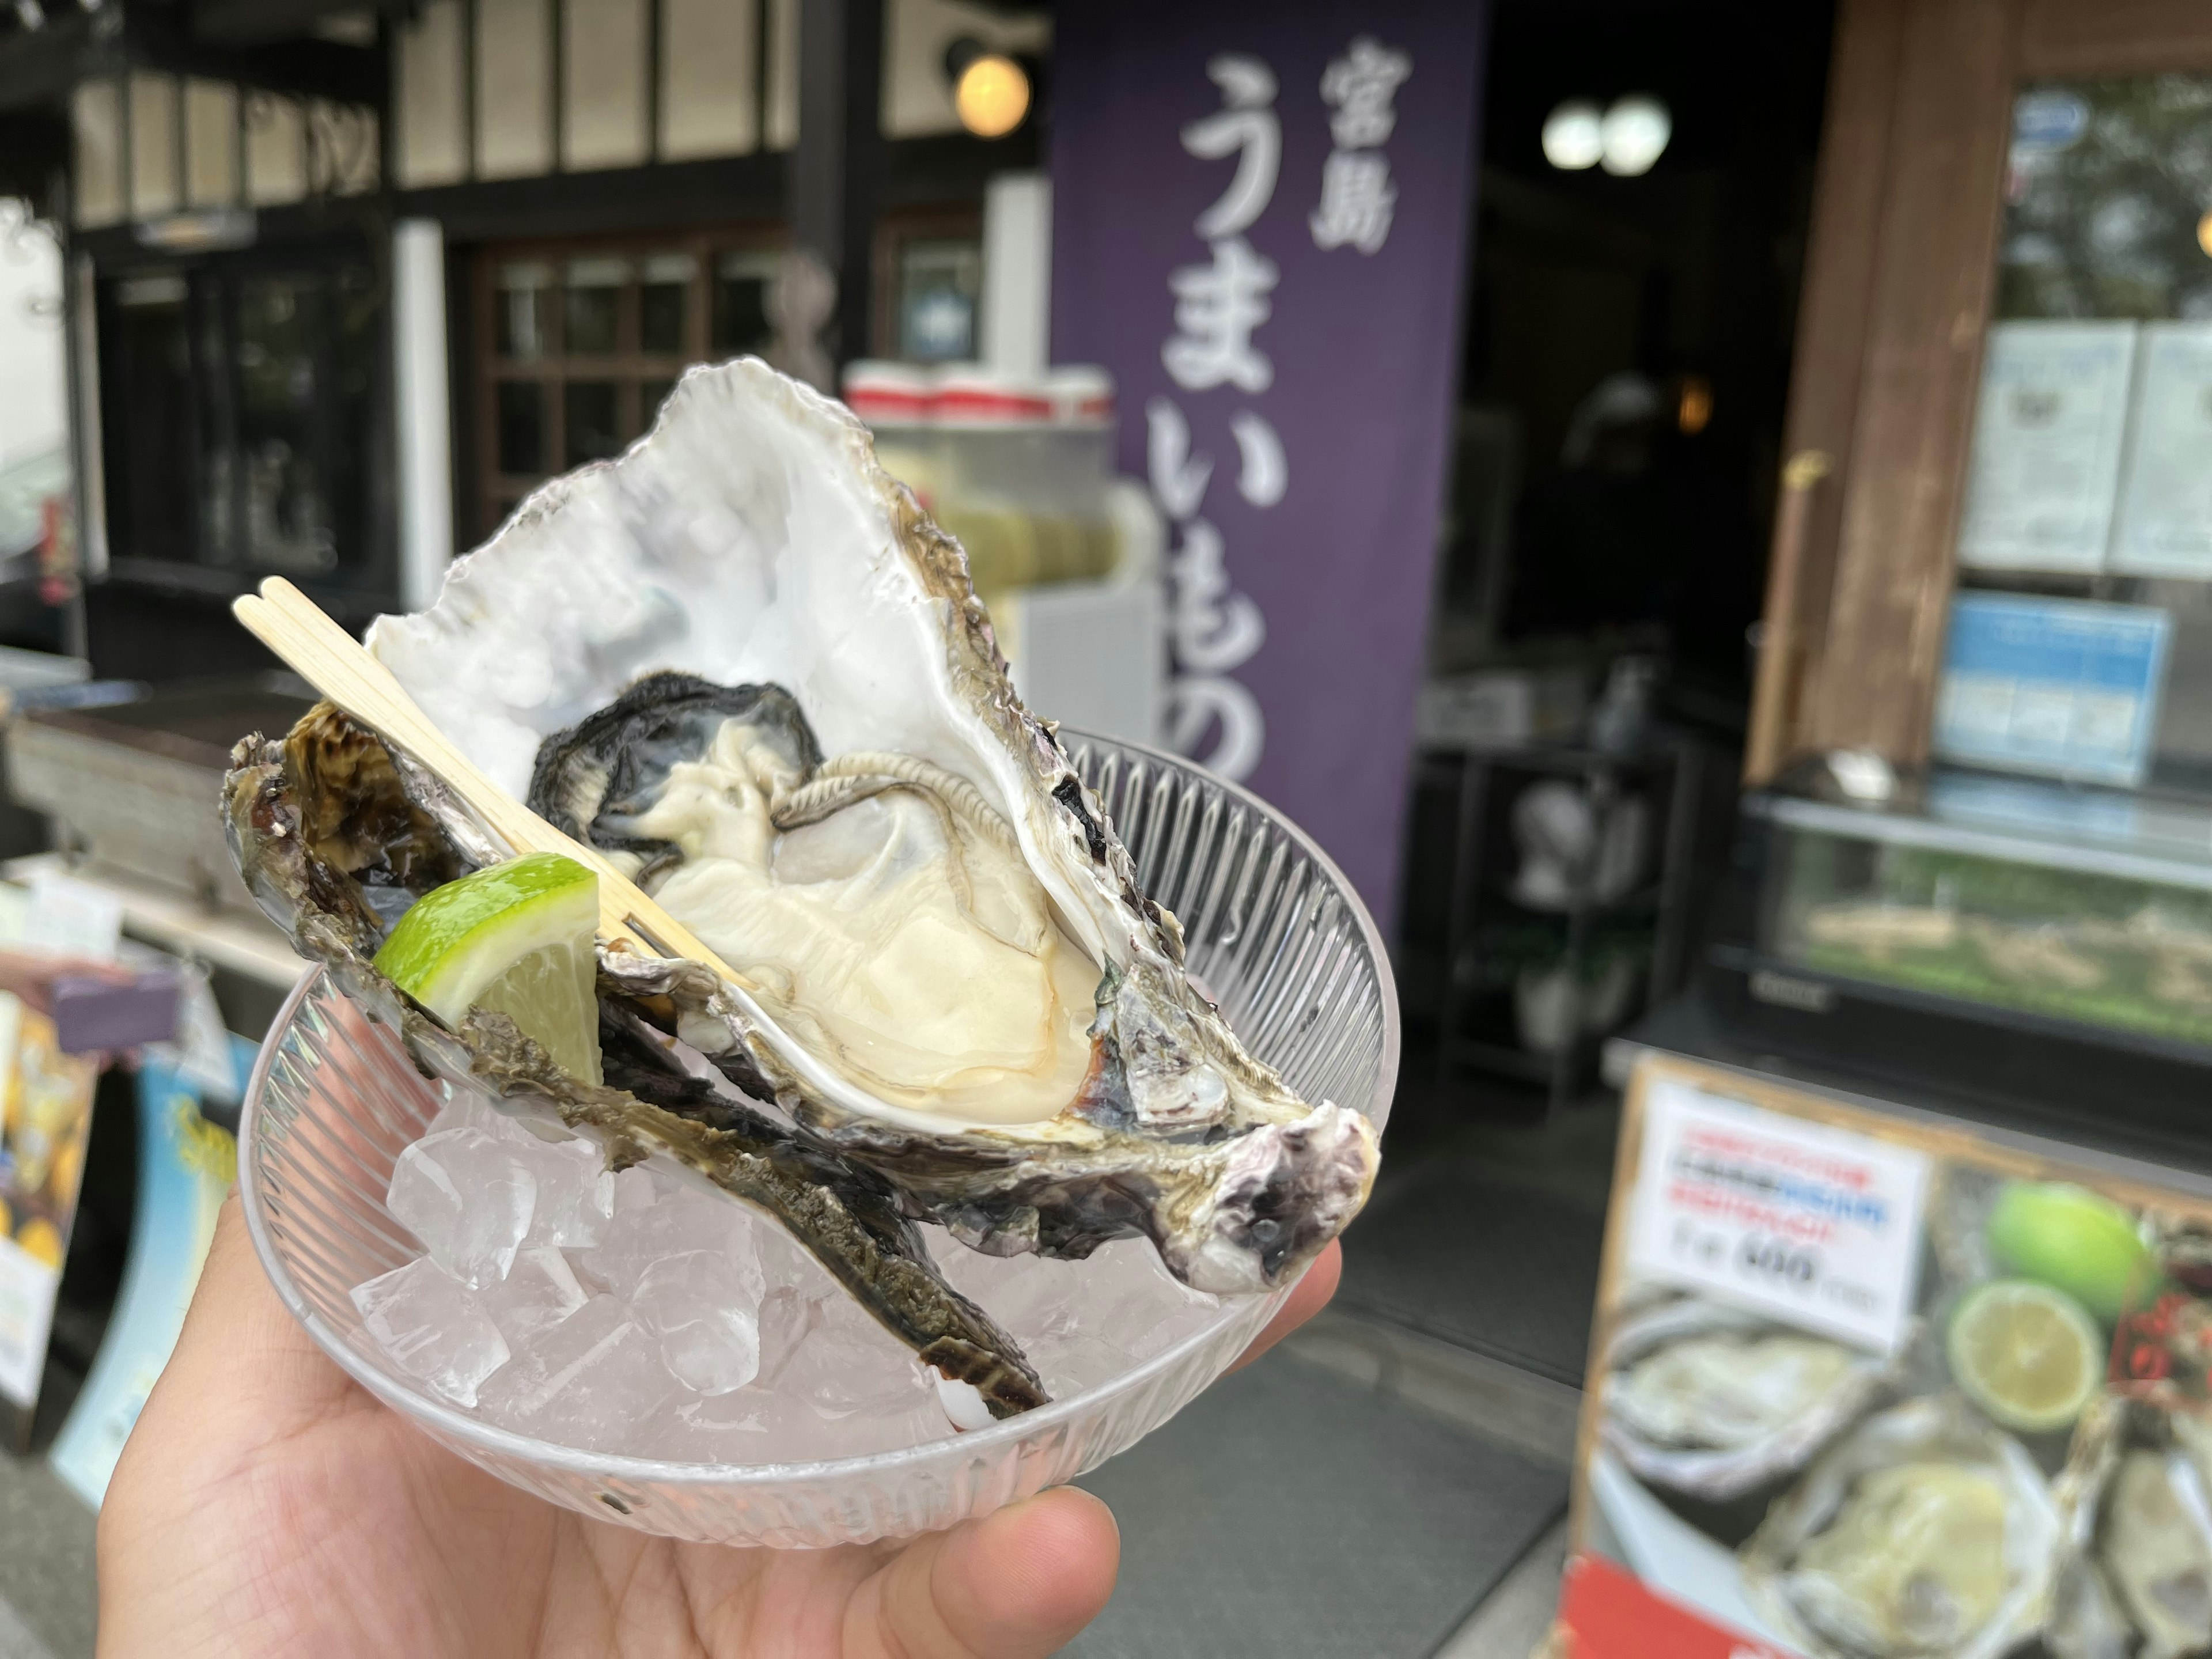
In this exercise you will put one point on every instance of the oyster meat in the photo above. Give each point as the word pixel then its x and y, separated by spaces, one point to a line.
pixel 1923 1532
pixel 1712 1400
pixel 741 661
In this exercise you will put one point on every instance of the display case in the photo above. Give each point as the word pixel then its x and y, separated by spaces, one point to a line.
pixel 2007 932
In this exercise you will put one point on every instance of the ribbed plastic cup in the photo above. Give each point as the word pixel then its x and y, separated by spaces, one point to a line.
pixel 1272 932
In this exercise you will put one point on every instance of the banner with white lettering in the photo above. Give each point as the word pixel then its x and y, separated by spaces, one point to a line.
pixel 1260 226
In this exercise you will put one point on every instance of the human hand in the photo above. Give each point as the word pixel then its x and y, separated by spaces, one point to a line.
pixel 267 1504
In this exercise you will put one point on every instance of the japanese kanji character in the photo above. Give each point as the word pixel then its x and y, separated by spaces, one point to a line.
pixel 1246 127
pixel 1357 200
pixel 1362 85
pixel 1217 308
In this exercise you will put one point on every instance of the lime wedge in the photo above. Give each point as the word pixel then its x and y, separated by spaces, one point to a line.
pixel 2028 1355
pixel 2076 1241
pixel 515 938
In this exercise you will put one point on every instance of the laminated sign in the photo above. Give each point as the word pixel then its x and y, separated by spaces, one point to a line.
pixel 1820 1225
pixel 1870 1383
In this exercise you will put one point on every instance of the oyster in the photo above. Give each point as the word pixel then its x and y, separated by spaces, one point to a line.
pixel 332 846
pixel 742 659
pixel 1713 1401
pixel 2137 1495
pixel 1923 1532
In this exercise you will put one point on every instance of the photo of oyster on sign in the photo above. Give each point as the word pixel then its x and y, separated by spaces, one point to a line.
pixel 2019 1463
pixel 974 1125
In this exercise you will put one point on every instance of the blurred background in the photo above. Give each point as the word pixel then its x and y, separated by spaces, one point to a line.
pixel 1696 505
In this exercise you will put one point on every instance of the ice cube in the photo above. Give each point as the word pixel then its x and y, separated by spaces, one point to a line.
pixel 848 1363
pixel 467 1196
pixel 540 1289
pixel 1082 1323
pixel 430 1326
pixel 594 1381
pixel 705 1310
pixel 676 1222
pixel 575 1190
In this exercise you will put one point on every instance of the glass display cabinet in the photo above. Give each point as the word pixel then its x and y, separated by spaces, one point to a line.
pixel 2002 931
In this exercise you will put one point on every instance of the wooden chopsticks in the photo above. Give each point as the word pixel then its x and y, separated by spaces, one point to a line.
pixel 337 665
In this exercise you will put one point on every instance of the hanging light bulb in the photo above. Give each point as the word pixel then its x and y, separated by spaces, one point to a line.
pixel 1634 134
pixel 990 90
pixel 1573 136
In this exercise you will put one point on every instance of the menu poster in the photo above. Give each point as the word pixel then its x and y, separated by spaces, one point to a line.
pixel 47 1116
pixel 2065 686
pixel 2165 526
pixel 2045 465
pixel 1996 1454
pixel 186 1165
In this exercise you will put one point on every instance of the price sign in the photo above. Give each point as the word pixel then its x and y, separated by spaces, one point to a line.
pixel 1817 1225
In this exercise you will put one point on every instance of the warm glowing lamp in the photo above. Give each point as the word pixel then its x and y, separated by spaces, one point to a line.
pixel 991 94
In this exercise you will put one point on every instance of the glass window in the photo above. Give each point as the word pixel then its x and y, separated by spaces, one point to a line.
pixel 2080 641
pixel 589 420
pixel 593 313
pixel 252 444
pixel 940 286
pixel 583 343
pixel 521 415
pixel 521 309
pixel 741 324
pixel 662 299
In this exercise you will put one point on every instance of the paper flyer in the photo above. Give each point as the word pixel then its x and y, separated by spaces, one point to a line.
pixel 2164 524
pixel 1868 1380
pixel 2043 470
pixel 185 1167
pixel 48 1115
pixel 2065 686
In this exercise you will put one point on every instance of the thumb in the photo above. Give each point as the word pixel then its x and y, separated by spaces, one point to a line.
pixel 1015 1585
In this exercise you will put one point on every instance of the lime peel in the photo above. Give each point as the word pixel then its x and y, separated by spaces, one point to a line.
pixel 2029 1355
pixel 517 939
pixel 2076 1241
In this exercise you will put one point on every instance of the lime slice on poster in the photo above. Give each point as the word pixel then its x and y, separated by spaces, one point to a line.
pixel 2080 1242
pixel 515 938
pixel 2028 1355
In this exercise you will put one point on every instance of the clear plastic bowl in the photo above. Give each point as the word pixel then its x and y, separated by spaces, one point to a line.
pixel 1274 933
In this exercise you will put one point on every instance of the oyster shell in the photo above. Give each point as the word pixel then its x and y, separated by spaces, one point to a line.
pixel 741 658
pixel 1713 1401
pixel 751 543
pixel 2136 1497
pixel 1924 1531
pixel 332 846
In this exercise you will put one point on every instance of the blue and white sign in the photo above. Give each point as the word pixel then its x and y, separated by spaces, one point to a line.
pixel 2062 686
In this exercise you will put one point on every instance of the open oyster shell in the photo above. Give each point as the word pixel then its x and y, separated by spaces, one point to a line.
pixel 1714 1401
pixel 1925 1530
pixel 2136 1569
pixel 745 618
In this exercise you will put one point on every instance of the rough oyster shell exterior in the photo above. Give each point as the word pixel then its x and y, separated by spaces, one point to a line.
pixel 1935 1430
pixel 1719 1472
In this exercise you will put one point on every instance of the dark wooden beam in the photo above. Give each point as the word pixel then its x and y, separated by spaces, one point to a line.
pixel 952 167
pixel 666 196
pixel 837 168
pixel 259 22
pixel 38 67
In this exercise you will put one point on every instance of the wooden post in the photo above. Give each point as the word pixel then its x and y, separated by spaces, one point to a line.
pixel 1774 694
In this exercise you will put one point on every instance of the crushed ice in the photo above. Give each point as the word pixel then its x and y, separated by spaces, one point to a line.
pixel 641 1314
